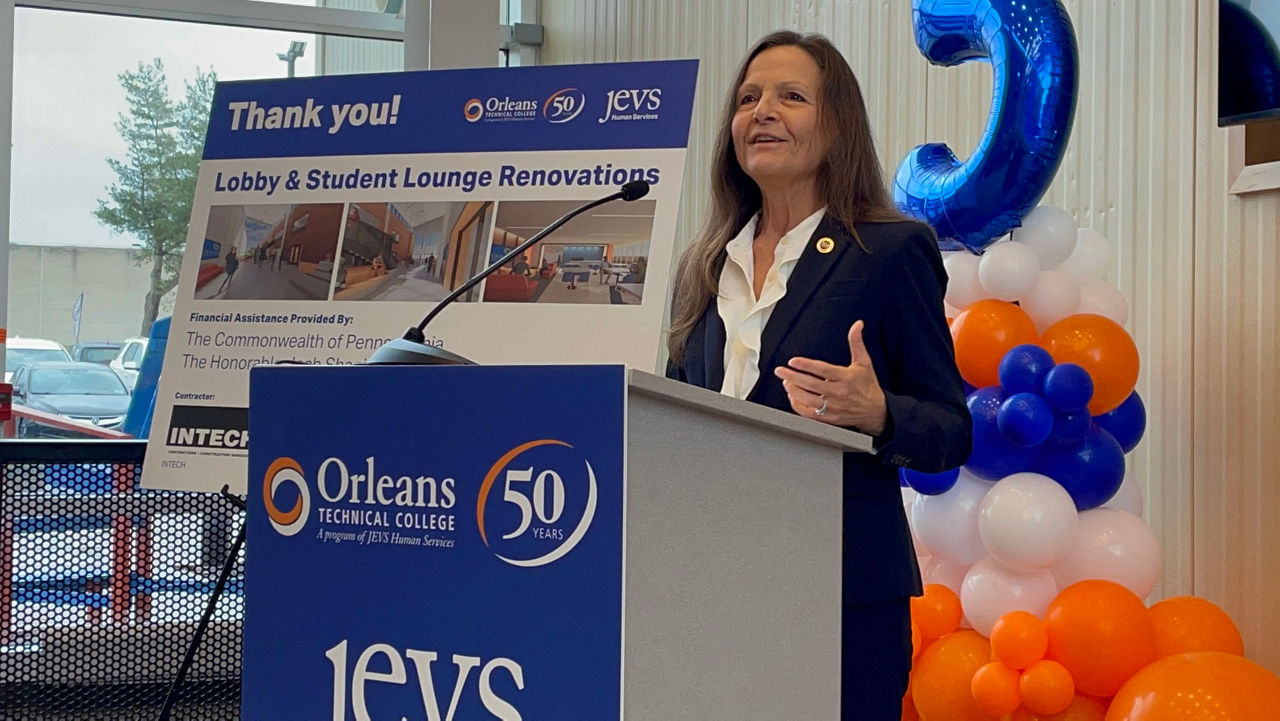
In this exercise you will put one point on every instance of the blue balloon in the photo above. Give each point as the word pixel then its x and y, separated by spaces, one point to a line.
pixel 1031 47
pixel 1069 429
pixel 993 457
pixel 1023 368
pixel 1068 388
pixel 1025 419
pixel 929 484
pixel 1091 472
pixel 1127 422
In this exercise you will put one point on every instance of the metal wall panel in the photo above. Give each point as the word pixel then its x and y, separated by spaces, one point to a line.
pixel 1146 167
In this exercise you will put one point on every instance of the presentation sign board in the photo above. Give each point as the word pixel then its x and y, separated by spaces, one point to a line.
pixel 332 213
pixel 440 543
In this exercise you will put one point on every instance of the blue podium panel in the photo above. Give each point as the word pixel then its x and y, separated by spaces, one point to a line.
pixel 435 543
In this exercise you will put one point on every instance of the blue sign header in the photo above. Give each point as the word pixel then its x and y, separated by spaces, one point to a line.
pixel 561 107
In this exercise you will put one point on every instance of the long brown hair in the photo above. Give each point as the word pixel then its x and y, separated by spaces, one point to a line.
pixel 849 179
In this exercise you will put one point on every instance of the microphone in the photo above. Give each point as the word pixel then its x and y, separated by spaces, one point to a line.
pixel 412 348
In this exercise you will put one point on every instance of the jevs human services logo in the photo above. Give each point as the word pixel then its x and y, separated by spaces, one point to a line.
pixel 284 471
pixel 564 105
pixel 536 503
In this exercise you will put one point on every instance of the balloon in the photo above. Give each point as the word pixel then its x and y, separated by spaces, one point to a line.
pixel 1025 419
pixel 983 333
pixel 1187 624
pixel 963 287
pixel 1082 708
pixel 1018 640
pixel 936 613
pixel 1113 545
pixel 1103 299
pixel 1126 422
pixel 1206 686
pixel 991 590
pixel 1008 270
pixel 1068 388
pixel 1102 633
pixel 946 573
pixel 1069 429
pixel 1054 296
pixel 1103 348
pixel 930 484
pixel 1027 522
pixel 948 524
pixel 1050 232
pixel 917 643
pixel 995 689
pixel 993 455
pixel 1091 472
pixel 1128 498
pixel 1047 688
pixel 1023 368
pixel 1091 259
pixel 941 682
pixel 1031 47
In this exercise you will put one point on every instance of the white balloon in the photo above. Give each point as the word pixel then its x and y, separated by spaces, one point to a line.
pixel 963 288
pixel 1008 270
pixel 1050 232
pixel 1091 259
pixel 947 524
pixel 991 590
pixel 1104 299
pixel 1028 522
pixel 1116 546
pixel 1055 296
pixel 948 574
pixel 1129 497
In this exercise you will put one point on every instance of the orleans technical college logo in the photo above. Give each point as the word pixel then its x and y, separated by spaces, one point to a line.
pixel 286 471
pixel 545 505
pixel 473 110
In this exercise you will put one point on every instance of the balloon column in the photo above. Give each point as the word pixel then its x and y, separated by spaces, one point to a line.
pixel 1035 554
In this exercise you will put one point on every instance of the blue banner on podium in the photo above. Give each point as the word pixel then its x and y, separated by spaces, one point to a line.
pixel 438 543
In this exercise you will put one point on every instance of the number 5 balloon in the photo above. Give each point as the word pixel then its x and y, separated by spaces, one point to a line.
pixel 1032 50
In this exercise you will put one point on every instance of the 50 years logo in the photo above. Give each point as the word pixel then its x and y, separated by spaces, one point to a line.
pixel 564 105
pixel 549 496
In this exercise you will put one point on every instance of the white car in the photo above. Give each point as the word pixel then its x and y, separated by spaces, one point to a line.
pixel 128 360
pixel 20 351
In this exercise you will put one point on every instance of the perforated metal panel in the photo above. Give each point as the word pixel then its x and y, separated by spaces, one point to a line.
pixel 102 585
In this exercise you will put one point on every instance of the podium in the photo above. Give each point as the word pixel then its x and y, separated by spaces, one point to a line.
pixel 537 542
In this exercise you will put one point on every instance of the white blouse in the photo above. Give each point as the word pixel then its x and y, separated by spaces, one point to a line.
pixel 743 314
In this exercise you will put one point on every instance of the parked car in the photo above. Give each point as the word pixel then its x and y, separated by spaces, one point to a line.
pixel 79 391
pixel 100 352
pixel 18 351
pixel 128 360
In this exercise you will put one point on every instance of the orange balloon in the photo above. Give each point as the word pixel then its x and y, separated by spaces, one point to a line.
pixel 1019 639
pixel 1102 633
pixel 1206 686
pixel 909 712
pixel 942 679
pixel 983 333
pixel 916 642
pixel 1047 687
pixel 995 689
pixel 937 612
pixel 1103 348
pixel 1186 624
pixel 1082 708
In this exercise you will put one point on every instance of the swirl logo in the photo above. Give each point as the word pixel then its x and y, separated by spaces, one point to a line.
pixel 548 501
pixel 564 105
pixel 473 110
pixel 282 471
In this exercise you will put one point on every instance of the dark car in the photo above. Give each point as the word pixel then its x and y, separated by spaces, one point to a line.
pixel 100 353
pixel 84 392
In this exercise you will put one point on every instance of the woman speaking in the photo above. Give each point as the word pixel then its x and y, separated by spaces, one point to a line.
pixel 807 291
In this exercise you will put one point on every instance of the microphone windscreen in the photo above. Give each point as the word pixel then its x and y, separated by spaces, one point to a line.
pixel 634 190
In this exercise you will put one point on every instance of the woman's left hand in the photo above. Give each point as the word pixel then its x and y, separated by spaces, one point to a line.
pixel 846 396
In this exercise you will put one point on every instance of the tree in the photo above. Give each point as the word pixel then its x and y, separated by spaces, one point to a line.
pixel 155 182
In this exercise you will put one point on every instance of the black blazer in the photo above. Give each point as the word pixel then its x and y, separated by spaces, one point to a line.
pixel 896 287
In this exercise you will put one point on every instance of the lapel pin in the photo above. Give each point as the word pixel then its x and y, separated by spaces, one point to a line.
pixel 826 245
